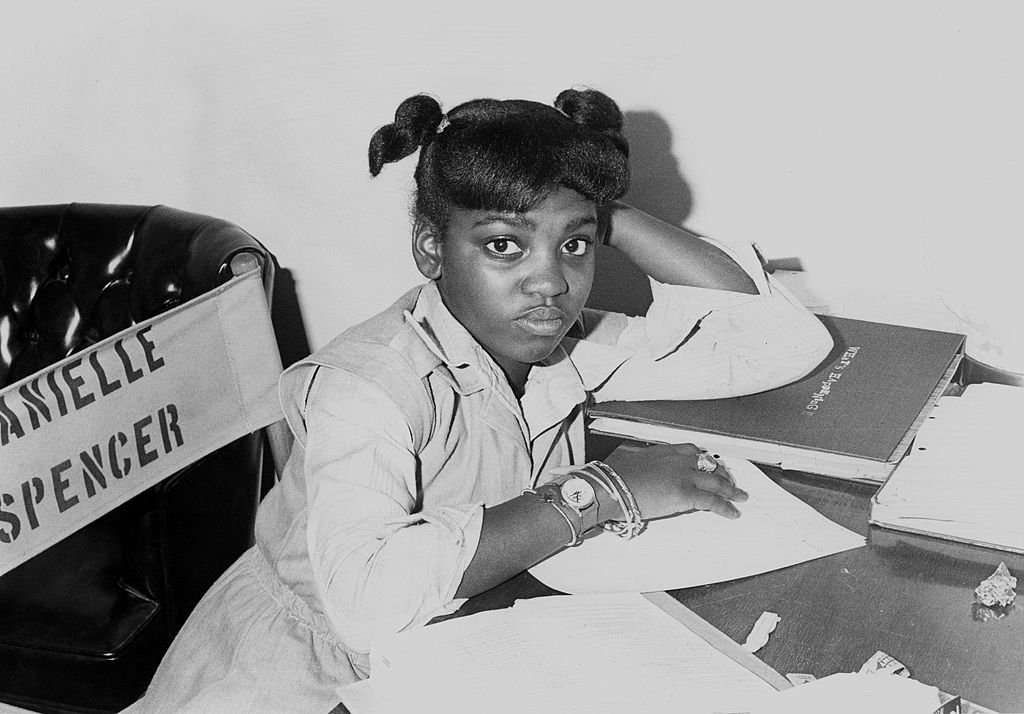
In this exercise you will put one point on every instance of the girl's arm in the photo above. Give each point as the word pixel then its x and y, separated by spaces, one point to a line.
pixel 670 254
pixel 663 479
pixel 515 536
pixel 740 337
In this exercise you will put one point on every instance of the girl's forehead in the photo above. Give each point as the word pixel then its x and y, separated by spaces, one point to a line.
pixel 563 205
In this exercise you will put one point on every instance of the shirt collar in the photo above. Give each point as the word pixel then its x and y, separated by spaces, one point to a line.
pixel 554 385
pixel 470 367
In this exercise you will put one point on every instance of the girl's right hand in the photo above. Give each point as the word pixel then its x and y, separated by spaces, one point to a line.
pixel 665 480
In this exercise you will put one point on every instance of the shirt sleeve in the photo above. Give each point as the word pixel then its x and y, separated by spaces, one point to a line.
pixel 380 564
pixel 700 343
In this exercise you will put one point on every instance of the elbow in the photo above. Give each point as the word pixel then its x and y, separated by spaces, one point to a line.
pixel 814 347
pixel 362 603
pixel 818 350
pixel 386 585
pixel 792 359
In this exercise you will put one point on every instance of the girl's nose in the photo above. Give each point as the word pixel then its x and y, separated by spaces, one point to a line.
pixel 546 279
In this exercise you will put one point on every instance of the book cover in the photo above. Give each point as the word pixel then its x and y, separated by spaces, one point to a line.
pixel 865 400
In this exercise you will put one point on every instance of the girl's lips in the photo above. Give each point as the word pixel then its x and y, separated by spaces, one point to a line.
pixel 542 321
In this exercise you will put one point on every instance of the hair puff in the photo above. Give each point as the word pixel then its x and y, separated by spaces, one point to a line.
pixel 416 122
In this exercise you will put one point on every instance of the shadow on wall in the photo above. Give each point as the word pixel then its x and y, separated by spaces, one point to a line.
pixel 286 317
pixel 658 188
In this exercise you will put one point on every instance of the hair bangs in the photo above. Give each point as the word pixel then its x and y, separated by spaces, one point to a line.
pixel 515 166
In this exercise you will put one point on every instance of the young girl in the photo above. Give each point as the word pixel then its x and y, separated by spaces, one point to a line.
pixel 439 445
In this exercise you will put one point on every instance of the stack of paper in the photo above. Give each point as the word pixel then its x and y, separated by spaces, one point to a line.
pixel 776 530
pixel 962 478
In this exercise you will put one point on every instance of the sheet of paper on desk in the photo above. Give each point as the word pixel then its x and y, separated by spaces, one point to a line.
pixel 561 654
pixel 776 530
pixel 848 693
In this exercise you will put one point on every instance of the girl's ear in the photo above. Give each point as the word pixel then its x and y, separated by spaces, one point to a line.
pixel 427 249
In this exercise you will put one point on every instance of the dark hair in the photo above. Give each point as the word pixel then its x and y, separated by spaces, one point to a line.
pixel 506 155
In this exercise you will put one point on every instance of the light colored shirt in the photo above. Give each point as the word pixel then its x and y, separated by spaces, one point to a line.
pixel 389 525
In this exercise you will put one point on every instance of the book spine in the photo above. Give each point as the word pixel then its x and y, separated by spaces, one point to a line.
pixel 940 388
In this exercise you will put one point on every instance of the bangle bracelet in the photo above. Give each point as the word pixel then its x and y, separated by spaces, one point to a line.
pixel 633 523
pixel 607 484
pixel 550 494
pixel 597 476
pixel 628 499
pixel 591 469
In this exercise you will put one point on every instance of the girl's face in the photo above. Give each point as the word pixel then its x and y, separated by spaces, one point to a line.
pixel 516 281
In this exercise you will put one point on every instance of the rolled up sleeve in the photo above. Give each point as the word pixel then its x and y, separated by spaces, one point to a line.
pixel 700 343
pixel 379 562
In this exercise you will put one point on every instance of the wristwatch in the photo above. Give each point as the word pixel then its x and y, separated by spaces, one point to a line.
pixel 578 494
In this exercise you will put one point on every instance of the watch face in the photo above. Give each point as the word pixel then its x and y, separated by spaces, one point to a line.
pixel 578 493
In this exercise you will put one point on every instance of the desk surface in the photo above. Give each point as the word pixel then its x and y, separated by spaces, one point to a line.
pixel 909 596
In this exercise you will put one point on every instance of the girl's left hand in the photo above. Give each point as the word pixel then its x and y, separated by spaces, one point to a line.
pixel 666 479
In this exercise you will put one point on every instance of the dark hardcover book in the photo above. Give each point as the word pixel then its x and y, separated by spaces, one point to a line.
pixel 852 417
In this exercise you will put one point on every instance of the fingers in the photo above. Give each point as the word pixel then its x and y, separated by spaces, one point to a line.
pixel 707 501
pixel 733 493
pixel 718 484
pixel 725 473
pixel 724 484
pixel 716 490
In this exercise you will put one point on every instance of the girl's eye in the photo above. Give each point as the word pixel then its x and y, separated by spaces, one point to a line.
pixel 503 246
pixel 576 246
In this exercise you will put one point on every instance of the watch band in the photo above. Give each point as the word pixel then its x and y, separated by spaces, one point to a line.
pixel 551 493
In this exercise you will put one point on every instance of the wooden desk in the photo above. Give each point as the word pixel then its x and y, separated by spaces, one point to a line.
pixel 909 596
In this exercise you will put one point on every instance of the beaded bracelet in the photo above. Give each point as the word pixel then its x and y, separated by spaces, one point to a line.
pixel 633 524
pixel 551 494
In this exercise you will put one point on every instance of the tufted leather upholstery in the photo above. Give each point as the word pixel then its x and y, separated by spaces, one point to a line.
pixel 84 624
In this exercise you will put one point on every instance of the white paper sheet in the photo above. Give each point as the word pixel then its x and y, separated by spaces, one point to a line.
pixel 776 530
pixel 847 693
pixel 571 655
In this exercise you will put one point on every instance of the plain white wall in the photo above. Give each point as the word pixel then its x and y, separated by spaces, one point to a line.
pixel 877 143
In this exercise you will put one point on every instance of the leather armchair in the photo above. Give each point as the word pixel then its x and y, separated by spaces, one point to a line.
pixel 84 624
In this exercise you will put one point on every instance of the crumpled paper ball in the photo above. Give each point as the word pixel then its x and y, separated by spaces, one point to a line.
pixel 997 589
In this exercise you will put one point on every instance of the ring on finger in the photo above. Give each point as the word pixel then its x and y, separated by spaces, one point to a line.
pixel 706 462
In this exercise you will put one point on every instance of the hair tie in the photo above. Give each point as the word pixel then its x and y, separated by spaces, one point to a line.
pixel 443 124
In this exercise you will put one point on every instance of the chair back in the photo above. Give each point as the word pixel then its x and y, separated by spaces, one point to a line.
pixel 84 623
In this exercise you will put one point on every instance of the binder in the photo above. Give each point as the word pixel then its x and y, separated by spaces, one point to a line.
pixel 853 417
